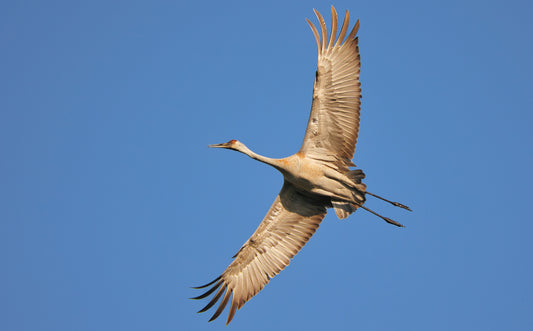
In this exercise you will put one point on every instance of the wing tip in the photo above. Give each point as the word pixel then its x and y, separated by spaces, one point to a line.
pixel 208 284
pixel 322 40
pixel 315 33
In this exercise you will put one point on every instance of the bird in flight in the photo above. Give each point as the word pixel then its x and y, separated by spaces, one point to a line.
pixel 317 177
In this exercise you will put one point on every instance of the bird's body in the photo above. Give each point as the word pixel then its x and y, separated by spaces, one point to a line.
pixel 317 177
pixel 310 176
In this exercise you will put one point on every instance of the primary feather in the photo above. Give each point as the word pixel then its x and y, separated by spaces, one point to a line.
pixel 316 178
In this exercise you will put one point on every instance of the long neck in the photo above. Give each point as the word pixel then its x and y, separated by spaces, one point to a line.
pixel 276 163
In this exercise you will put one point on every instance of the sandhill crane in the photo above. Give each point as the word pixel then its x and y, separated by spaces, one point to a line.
pixel 315 178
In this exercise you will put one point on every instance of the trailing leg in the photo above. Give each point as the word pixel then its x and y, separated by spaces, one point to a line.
pixel 386 219
pixel 397 204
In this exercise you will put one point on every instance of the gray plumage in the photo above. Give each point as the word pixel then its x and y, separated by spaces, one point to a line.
pixel 315 178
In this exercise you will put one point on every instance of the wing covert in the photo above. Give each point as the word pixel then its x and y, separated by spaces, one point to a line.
pixel 333 124
pixel 292 219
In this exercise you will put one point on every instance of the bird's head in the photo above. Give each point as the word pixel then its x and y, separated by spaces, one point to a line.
pixel 232 144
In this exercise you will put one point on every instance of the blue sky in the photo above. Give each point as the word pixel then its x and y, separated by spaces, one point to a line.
pixel 112 205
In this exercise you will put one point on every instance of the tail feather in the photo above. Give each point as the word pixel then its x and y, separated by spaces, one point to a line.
pixel 343 209
pixel 356 175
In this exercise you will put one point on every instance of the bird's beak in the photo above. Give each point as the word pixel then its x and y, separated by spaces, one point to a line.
pixel 217 145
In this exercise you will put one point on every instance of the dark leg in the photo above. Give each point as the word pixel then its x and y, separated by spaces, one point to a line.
pixel 386 219
pixel 397 204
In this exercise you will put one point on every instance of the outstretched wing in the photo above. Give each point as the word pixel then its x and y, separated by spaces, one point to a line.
pixel 292 219
pixel 333 125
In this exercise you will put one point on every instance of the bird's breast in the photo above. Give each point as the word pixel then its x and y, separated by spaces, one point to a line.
pixel 301 172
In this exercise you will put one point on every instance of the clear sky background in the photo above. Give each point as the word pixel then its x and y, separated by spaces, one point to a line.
pixel 112 205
